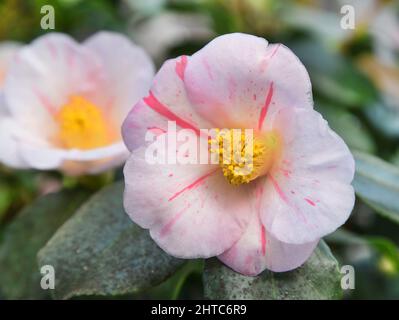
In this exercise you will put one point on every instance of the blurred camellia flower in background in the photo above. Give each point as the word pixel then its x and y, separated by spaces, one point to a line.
pixel 272 217
pixel 64 102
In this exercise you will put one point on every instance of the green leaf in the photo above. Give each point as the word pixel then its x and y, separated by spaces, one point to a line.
pixel 101 252
pixel 22 239
pixel 377 184
pixel 334 76
pixel 384 117
pixel 178 285
pixel 385 247
pixel 318 278
pixel 348 126
pixel 344 237
pixel 5 199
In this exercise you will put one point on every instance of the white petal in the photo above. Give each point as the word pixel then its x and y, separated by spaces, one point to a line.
pixel 128 71
pixel 191 210
pixel 258 250
pixel 308 193
pixel 238 80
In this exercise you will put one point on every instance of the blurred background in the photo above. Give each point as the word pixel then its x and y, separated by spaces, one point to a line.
pixel 355 77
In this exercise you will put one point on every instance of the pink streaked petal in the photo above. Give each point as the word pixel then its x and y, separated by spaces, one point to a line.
pixel 265 108
pixel 128 71
pixel 163 110
pixel 190 210
pixel 309 190
pixel 239 80
pixel 181 67
pixel 167 101
pixel 258 250
pixel 40 155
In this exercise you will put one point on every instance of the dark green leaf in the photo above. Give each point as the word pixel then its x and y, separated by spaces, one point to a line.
pixel 347 126
pixel 344 237
pixel 318 278
pixel 335 77
pixel 385 118
pixel 100 251
pixel 385 247
pixel 377 184
pixel 23 238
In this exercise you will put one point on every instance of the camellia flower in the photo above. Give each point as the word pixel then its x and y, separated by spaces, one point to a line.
pixel 64 102
pixel 271 218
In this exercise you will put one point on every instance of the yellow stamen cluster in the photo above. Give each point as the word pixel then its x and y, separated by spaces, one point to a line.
pixel 82 125
pixel 243 158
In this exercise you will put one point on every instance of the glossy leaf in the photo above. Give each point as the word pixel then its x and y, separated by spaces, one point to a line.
pixel 377 184
pixel 23 238
pixel 318 278
pixel 335 77
pixel 348 126
pixel 101 252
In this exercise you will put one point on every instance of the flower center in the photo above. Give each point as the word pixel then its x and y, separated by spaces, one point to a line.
pixel 244 156
pixel 82 125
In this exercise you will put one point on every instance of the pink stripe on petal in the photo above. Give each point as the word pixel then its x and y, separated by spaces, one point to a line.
pixel 195 184
pixel 278 189
pixel 181 67
pixel 263 111
pixel 44 100
pixel 285 199
pixel 263 239
pixel 265 61
pixel 259 193
pixel 163 110
pixel 166 228
pixel 310 202
pixel 275 50
pixel 208 69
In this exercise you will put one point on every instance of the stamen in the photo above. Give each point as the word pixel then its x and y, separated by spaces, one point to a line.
pixel 244 158
pixel 82 125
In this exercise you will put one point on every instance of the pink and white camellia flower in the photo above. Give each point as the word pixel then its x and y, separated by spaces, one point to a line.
pixel 300 188
pixel 64 102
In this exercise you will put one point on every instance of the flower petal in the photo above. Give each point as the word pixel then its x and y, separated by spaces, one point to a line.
pixel 238 80
pixel 128 71
pixel 308 193
pixel 8 49
pixel 167 101
pixel 73 162
pixel 42 77
pixel 9 154
pixel 258 250
pixel 191 210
